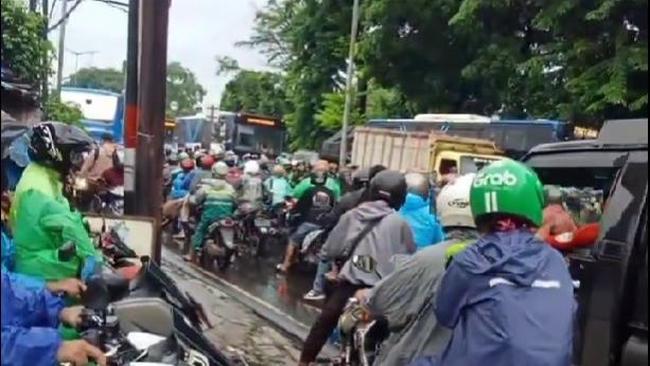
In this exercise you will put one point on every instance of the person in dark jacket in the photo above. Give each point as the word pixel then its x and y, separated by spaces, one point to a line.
pixel 348 202
pixel 374 230
pixel 508 298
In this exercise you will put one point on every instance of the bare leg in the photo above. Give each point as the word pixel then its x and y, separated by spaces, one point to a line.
pixel 289 257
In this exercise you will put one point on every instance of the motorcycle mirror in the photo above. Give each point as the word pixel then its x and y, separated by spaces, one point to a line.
pixel 365 263
pixel 67 251
pixel 96 296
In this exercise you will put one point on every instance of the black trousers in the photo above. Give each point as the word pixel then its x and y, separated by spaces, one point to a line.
pixel 327 321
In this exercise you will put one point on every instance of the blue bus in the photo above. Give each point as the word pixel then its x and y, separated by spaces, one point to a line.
pixel 103 111
pixel 515 137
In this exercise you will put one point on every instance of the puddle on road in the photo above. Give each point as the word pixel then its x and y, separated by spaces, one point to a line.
pixel 257 276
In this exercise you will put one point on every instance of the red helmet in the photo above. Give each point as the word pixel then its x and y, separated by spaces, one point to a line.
pixel 207 161
pixel 187 164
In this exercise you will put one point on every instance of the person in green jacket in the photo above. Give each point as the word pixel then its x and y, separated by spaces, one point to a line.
pixel 321 167
pixel 41 217
pixel 217 197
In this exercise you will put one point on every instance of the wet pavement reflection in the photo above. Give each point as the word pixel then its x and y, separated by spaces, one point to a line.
pixel 257 276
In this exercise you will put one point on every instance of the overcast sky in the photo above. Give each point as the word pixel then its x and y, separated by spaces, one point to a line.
pixel 199 30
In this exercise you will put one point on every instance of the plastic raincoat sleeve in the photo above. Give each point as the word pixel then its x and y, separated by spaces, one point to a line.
pixel 302 187
pixel 29 325
pixel 453 295
pixel 393 296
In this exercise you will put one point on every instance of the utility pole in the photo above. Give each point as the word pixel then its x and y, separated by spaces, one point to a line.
pixel 59 69
pixel 131 109
pixel 45 85
pixel 154 17
pixel 348 84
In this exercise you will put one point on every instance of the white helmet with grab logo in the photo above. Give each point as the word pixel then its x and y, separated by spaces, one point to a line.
pixel 453 206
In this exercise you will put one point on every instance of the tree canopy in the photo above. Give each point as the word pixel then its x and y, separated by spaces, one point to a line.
pixel 24 50
pixel 255 92
pixel 578 60
pixel 184 92
pixel 96 78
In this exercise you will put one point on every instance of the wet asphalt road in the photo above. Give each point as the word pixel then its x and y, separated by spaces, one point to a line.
pixel 257 277
pixel 237 330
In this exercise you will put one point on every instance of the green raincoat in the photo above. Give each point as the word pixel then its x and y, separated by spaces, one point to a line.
pixel 218 200
pixel 42 221
pixel 305 184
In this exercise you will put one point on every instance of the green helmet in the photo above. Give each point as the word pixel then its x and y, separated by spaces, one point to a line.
pixel 508 187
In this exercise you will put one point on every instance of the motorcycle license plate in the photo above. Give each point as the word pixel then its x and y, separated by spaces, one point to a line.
pixel 262 222
pixel 228 236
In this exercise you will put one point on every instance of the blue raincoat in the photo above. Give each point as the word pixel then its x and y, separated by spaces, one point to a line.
pixel 29 325
pixel 180 188
pixel 8 252
pixel 509 300
pixel 425 226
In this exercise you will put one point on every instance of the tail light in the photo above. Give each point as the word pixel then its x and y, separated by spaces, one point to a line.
pixel 227 223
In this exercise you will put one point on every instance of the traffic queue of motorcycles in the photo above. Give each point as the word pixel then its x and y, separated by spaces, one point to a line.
pixel 259 219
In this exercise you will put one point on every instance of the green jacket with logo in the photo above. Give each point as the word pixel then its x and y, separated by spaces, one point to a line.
pixel 42 221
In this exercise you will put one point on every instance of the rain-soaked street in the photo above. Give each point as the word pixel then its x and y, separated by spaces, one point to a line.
pixel 268 330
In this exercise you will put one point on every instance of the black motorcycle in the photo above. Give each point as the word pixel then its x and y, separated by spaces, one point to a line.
pixel 142 330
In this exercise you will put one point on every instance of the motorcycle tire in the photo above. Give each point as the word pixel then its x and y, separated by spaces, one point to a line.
pixel 223 261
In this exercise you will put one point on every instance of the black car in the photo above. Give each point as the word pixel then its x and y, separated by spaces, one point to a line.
pixel 613 273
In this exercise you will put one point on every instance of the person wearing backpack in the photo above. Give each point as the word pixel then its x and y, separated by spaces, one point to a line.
pixel 374 230
pixel 405 298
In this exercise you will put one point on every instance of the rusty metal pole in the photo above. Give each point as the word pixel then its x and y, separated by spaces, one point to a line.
pixel 154 18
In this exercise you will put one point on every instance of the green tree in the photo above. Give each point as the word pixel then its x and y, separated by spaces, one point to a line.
pixel 308 41
pixel 255 92
pixel 184 92
pixel 63 112
pixel 96 78
pixel 24 50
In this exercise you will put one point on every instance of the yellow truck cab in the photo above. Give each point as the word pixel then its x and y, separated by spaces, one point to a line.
pixel 421 152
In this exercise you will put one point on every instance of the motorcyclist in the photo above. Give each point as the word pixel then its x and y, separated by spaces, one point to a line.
pixel 508 298
pixel 252 188
pixel 405 297
pixel 71 287
pixel 417 212
pixel 30 318
pixel 204 165
pixel 179 190
pixel 99 160
pixel 217 199
pixel 374 230
pixel 277 186
pixel 348 202
pixel 315 202
pixel 41 217
pixel 114 176
pixel 321 167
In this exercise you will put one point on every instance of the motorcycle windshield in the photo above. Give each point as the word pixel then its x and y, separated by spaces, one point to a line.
pixel 197 341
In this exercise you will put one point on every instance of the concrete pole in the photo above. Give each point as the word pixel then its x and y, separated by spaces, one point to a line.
pixel 59 69
pixel 349 84
pixel 154 18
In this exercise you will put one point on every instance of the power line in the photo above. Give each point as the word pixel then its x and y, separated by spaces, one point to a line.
pixel 65 17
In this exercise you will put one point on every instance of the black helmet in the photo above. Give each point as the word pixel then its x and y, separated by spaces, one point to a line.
pixel 389 186
pixel 59 146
